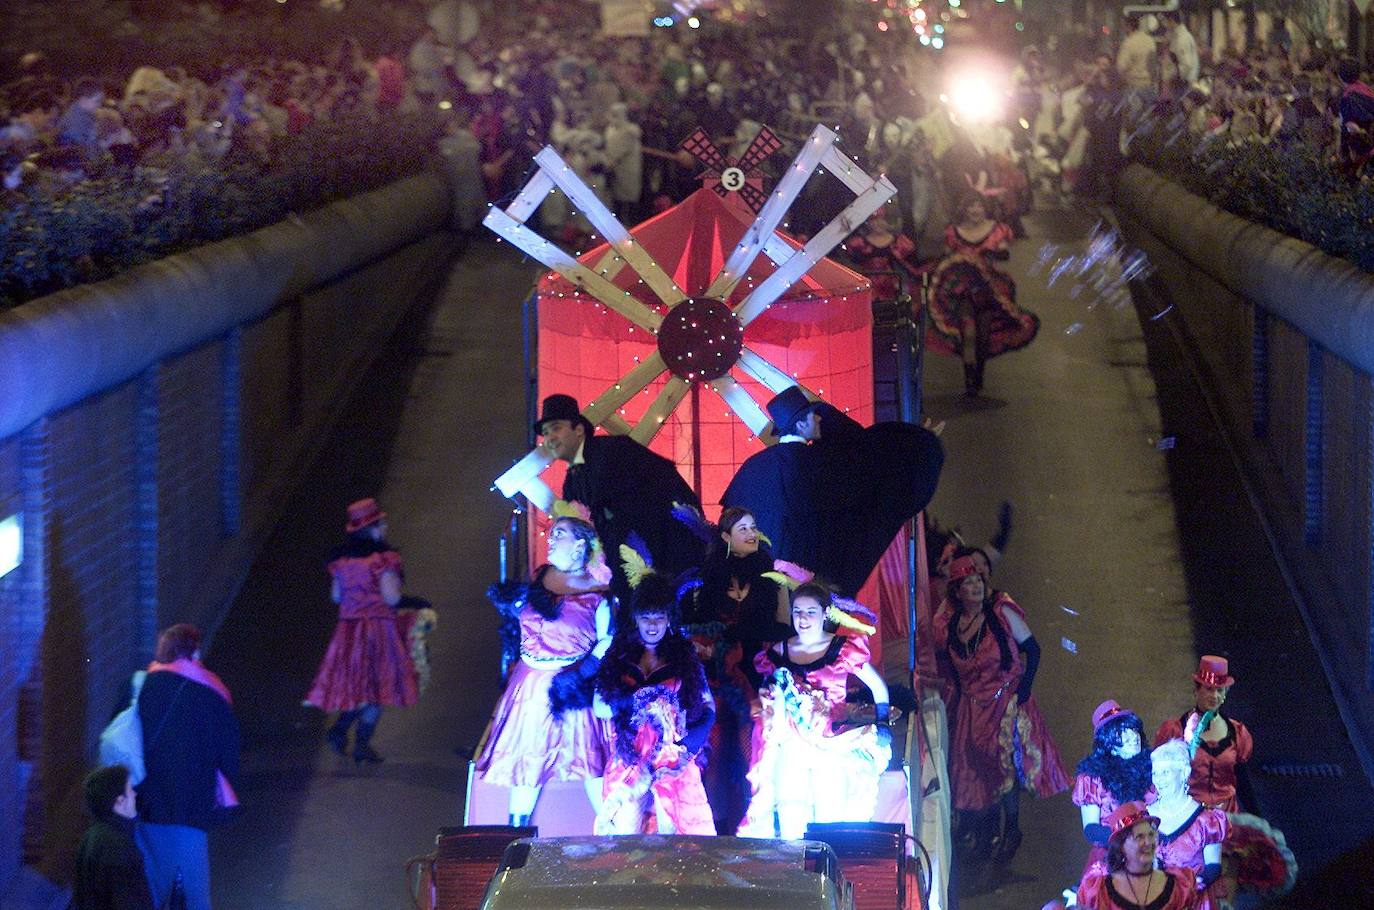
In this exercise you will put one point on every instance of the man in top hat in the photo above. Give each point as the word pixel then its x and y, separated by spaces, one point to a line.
pixel 832 494
pixel 624 486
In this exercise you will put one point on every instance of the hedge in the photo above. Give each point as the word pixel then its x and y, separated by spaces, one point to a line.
pixel 53 237
pixel 1291 187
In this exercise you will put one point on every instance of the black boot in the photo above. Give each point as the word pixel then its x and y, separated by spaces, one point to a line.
pixel 337 735
pixel 978 375
pixel 362 750
pixel 1009 841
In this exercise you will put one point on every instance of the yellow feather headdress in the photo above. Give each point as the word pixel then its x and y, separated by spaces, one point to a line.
pixel 634 565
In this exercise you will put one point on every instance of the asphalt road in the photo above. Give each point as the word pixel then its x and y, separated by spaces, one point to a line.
pixel 1130 557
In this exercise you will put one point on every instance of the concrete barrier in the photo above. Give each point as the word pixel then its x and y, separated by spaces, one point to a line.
pixel 62 348
pixel 1284 338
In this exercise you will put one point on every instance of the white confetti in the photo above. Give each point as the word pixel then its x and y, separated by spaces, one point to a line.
pixel 1168 442
pixel 1074 329
pixel 1070 610
pixel 1069 645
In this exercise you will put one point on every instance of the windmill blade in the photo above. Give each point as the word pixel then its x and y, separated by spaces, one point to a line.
pixel 531 196
pixel 700 146
pixel 741 402
pixel 829 237
pixel 604 220
pixel 540 495
pixel 847 170
pixel 673 392
pixel 524 472
pixel 602 409
pixel 617 425
pixel 764 144
pixel 781 199
pixel 764 371
pixel 552 256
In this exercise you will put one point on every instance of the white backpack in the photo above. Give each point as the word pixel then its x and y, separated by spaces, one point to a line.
pixel 121 742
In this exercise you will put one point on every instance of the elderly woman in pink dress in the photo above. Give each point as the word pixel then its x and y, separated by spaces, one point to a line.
pixel 1190 834
pixel 543 728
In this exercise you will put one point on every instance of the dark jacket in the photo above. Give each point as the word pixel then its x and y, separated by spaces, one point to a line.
pixel 628 488
pixel 109 869
pixel 189 732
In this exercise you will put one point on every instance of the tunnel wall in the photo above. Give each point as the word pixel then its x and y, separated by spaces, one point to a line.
pixel 1283 335
pixel 151 427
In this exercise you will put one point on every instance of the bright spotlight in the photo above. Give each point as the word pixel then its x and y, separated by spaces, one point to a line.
pixel 937 43
pixel 973 97
pixel 694 22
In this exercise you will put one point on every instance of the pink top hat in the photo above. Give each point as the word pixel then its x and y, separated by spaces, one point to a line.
pixel 1106 711
pixel 362 513
pixel 1127 816
pixel 1213 672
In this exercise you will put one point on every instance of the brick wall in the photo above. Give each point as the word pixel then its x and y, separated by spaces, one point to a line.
pixel 11 783
pixel 89 639
pixel 190 530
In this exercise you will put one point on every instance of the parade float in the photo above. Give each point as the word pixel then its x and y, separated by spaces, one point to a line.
pixel 674 332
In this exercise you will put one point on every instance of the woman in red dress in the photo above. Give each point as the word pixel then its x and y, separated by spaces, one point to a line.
pixel 1117 771
pixel 540 730
pixel 999 741
pixel 1190 834
pixel 367 665
pixel 1129 880
pixel 1220 745
pixel 883 254
pixel 973 311
pixel 654 687
pixel 811 762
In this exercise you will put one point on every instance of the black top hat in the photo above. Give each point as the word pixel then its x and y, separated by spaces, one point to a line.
pixel 787 407
pixel 561 407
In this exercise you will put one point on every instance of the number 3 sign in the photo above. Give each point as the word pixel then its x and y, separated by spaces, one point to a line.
pixel 732 178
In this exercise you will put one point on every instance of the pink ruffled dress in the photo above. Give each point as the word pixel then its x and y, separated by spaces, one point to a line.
pixel 659 790
pixel 527 746
pixel 367 662
pixel 805 767
pixel 1183 848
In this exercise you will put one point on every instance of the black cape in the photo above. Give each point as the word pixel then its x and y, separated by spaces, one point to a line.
pixel 629 488
pixel 835 505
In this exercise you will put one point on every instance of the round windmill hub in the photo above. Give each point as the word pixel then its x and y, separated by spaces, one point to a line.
pixel 700 339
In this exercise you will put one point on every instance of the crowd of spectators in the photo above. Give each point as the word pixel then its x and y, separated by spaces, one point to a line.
pixel 1158 83
pixel 257 138
pixel 58 135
